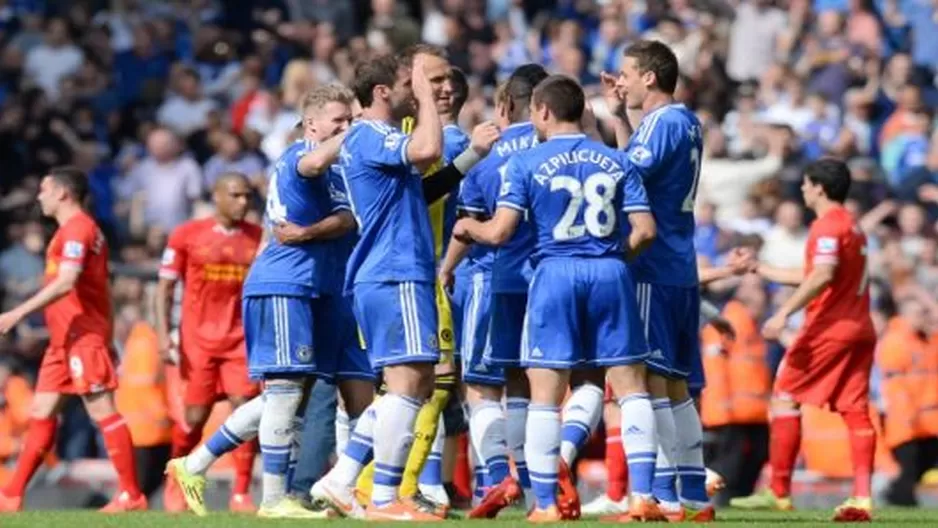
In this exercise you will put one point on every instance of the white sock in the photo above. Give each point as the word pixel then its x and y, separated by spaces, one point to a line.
pixel 298 423
pixel 487 427
pixel 242 424
pixel 430 482
pixel 542 452
pixel 665 467
pixel 276 433
pixel 516 412
pixel 359 449
pixel 342 430
pixel 639 439
pixel 692 475
pixel 581 415
pixel 394 435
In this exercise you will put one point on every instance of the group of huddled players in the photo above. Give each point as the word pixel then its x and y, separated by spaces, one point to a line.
pixel 560 266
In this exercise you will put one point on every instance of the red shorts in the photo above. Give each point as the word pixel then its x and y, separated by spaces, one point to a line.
pixel 211 376
pixel 825 373
pixel 77 369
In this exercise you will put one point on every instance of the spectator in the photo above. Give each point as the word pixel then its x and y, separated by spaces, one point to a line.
pixel 187 111
pixel 754 39
pixel 53 60
pixel 164 185
pixel 783 245
pixel 231 157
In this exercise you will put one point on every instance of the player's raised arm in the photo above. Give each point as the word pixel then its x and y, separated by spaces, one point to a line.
pixel 443 181
pixel 615 104
pixel 426 142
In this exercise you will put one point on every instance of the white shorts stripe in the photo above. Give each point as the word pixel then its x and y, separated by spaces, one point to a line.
pixel 405 317
pixel 278 329
pixel 412 290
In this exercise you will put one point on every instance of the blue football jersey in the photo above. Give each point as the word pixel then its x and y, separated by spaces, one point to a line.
pixel 455 141
pixel 294 269
pixel 576 193
pixel 479 194
pixel 665 151
pixel 386 197
pixel 342 247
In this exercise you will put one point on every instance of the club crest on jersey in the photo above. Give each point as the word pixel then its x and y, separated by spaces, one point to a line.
pixel 826 245
pixel 639 155
pixel 73 249
pixel 393 140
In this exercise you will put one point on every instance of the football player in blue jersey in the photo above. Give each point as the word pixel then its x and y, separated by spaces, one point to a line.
pixel 582 311
pixel 391 271
pixel 287 300
pixel 491 435
pixel 665 151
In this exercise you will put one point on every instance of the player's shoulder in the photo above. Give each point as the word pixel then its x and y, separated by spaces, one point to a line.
pixel 838 221
pixel 81 223
pixel 453 134
pixel 666 121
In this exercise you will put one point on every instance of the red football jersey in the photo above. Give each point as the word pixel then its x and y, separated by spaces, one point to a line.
pixel 212 262
pixel 83 317
pixel 842 311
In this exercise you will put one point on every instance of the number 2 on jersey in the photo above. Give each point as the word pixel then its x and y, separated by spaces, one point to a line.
pixel 599 218
pixel 688 205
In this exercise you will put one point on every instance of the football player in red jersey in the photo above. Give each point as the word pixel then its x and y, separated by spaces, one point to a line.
pixel 77 302
pixel 829 362
pixel 211 256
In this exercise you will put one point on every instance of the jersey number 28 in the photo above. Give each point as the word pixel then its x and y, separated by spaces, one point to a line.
pixel 599 218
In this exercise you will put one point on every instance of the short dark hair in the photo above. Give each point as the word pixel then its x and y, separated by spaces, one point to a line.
pixel 656 57
pixel 832 175
pixel 374 72
pixel 460 85
pixel 73 180
pixel 520 85
pixel 563 96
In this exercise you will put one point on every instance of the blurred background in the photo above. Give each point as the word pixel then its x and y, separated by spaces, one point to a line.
pixel 155 99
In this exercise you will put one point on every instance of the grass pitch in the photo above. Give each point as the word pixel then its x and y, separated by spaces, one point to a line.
pixel 510 519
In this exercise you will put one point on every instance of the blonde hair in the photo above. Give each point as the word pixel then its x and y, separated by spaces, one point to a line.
pixel 320 96
pixel 297 78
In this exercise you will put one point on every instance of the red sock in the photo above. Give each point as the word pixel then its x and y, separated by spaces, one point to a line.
pixel 862 450
pixel 185 439
pixel 462 476
pixel 616 469
pixel 244 467
pixel 40 438
pixel 120 449
pixel 785 434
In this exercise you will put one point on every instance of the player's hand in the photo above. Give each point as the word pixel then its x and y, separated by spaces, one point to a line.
pixel 423 90
pixel 772 329
pixel 484 135
pixel 290 233
pixel 607 84
pixel 460 231
pixel 588 121
pixel 168 350
pixel 8 321
pixel 724 327
pixel 447 280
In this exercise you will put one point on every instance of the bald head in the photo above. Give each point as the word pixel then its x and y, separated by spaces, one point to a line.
pixel 162 145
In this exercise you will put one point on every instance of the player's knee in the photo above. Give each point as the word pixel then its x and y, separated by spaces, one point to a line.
pixel 356 396
pixel 100 405
pixel 197 415
pixel 414 379
pixel 678 391
pixel 476 393
pixel 626 380
pixel 44 405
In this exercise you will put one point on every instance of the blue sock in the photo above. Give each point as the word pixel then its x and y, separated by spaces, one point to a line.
pixel 223 441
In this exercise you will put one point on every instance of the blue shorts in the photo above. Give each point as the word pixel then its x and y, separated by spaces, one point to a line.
pixel 696 381
pixel 339 355
pixel 505 329
pixel 582 313
pixel 671 316
pixel 398 322
pixel 279 334
pixel 475 343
